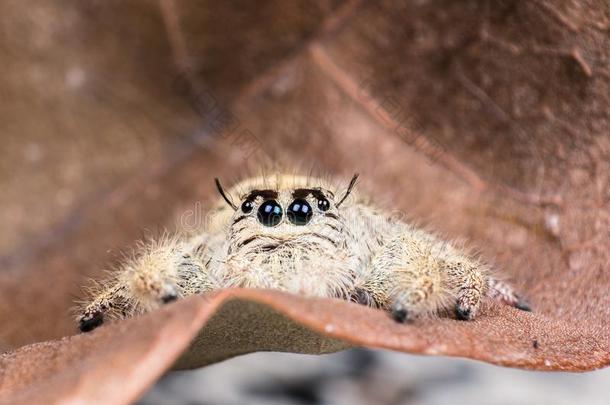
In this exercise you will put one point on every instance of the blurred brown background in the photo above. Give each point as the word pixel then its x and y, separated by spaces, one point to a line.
pixel 487 120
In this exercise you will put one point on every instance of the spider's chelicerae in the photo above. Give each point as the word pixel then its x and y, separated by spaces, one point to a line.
pixel 299 234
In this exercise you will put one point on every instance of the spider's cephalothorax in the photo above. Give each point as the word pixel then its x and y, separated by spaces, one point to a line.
pixel 302 235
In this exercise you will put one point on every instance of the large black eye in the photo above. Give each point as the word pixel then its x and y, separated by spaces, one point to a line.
pixel 247 207
pixel 323 204
pixel 299 212
pixel 270 213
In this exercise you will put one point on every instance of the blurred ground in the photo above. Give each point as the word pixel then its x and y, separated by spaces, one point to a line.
pixel 356 377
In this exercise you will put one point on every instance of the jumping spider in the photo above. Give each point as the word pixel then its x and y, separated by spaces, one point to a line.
pixel 293 233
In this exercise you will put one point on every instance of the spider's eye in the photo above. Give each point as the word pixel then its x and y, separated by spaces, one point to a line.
pixel 323 204
pixel 299 212
pixel 270 213
pixel 247 207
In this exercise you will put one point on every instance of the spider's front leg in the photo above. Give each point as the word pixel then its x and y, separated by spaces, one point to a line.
pixel 162 272
pixel 466 280
pixel 415 274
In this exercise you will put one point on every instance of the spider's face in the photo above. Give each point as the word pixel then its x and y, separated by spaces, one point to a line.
pixel 291 233
pixel 283 215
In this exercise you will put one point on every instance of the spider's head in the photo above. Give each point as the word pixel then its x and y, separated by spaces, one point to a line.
pixel 284 208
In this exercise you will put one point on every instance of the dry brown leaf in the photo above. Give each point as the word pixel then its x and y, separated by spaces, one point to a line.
pixel 117 362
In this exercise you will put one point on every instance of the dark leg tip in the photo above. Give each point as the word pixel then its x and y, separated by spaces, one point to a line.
pixel 167 298
pixel 463 314
pixel 89 322
pixel 400 314
pixel 523 305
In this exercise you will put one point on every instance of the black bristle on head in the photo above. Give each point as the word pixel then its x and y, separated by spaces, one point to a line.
pixel 224 195
pixel 352 183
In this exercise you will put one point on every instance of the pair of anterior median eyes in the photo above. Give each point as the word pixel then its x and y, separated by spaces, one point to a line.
pixel 299 212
